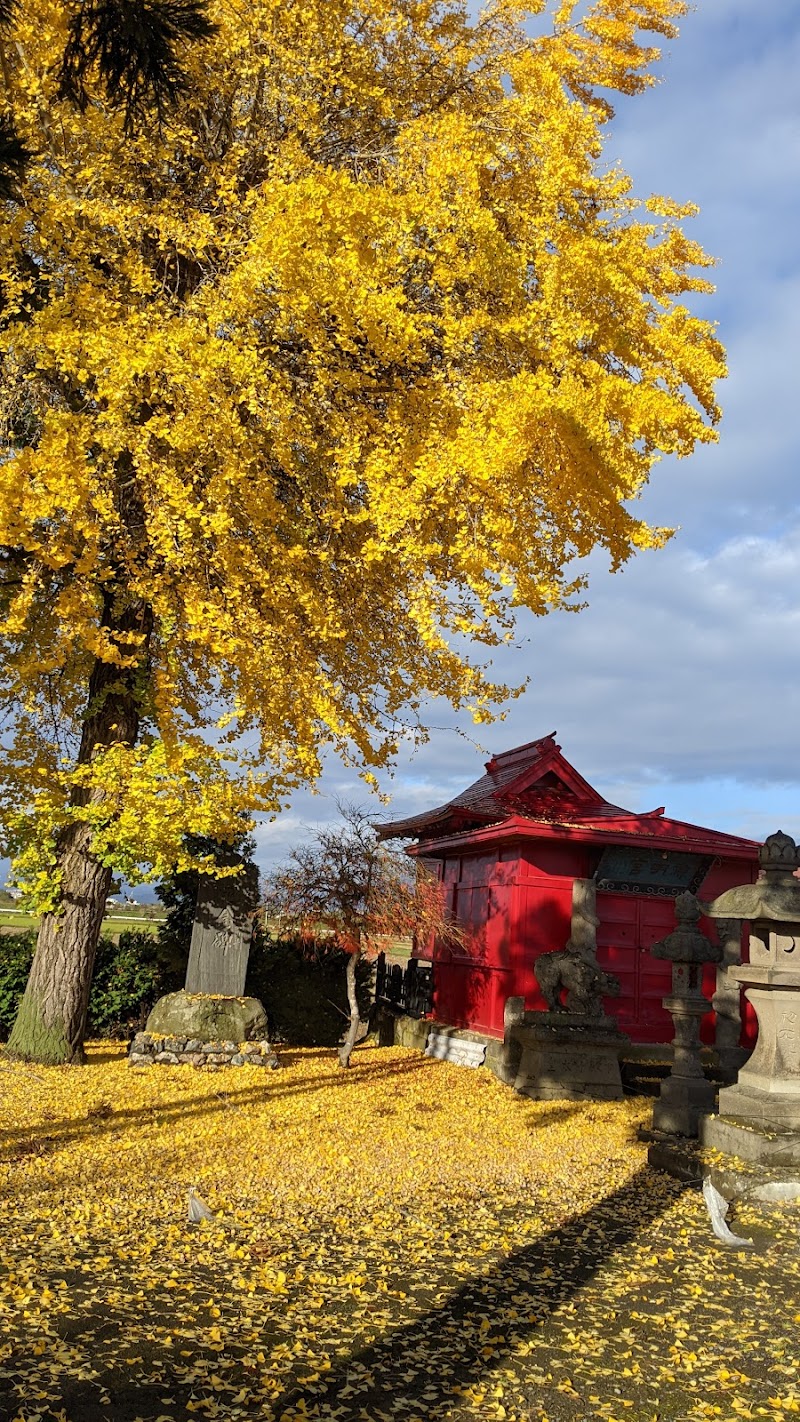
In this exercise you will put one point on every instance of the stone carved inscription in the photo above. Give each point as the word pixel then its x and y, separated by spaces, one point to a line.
pixel 570 1064
pixel 221 933
pixel 788 1027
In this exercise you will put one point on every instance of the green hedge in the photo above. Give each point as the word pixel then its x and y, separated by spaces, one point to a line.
pixel 128 978
pixel 16 952
pixel 302 985
pixel 303 989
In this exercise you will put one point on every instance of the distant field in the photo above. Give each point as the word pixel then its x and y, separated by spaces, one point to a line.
pixel 398 950
pixel 114 923
pixel 12 919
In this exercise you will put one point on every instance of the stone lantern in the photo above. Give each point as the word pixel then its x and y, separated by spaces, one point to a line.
pixel 759 1117
pixel 685 1094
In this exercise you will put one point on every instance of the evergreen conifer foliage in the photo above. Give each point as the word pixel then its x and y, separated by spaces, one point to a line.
pixel 135 48
pixel 14 158
pixel 132 49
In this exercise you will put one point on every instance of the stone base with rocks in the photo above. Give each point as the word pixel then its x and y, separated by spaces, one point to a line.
pixel 204 1029
pixel 147 1048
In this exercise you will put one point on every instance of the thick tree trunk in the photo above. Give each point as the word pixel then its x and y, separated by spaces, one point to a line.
pixel 51 1022
pixel 353 1030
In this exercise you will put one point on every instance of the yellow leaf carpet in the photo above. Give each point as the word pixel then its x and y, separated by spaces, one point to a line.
pixel 406 1240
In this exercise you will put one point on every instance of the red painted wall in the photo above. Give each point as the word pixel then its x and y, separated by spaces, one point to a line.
pixel 519 905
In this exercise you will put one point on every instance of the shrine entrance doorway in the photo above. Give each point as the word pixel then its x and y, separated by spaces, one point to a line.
pixel 629 926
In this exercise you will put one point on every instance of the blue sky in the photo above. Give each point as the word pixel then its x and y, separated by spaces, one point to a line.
pixel 679 684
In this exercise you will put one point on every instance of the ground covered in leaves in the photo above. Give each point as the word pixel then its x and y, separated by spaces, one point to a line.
pixel 406 1240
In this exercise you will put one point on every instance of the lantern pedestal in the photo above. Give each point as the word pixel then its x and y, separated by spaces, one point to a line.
pixel 681 1105
pixel 759 1117
pixel 685 1095
pixel 750 1142
pixel 772 1075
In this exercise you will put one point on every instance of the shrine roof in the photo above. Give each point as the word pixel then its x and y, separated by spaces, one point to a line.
pixel 534 788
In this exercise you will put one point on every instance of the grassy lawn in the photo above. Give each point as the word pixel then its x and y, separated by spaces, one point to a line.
pixel 16 919
pixel 407 1240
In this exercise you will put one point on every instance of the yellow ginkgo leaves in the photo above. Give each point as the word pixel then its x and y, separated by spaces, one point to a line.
pixel 302 394
pixel 509 1260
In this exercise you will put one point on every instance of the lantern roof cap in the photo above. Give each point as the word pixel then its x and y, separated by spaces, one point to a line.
pixel 776 895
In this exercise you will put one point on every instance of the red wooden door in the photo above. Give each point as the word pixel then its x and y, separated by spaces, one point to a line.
pixel 628 928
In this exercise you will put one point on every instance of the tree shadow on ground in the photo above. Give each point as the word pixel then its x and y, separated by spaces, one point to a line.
pixel 446 1347
pixel 459 1333
pixel 553 1114
pixel 51 1135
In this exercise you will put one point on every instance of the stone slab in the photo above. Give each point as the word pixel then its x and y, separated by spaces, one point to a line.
pixel 750 1143
pixel 447 1048
pixel 674 1159
pixel 558 1063
pixel 221 932
pixel 772 1187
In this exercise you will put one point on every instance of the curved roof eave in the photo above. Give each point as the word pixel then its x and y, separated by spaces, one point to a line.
pixel 671 834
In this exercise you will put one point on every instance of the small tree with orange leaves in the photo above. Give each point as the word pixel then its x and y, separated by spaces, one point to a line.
pixel 347 882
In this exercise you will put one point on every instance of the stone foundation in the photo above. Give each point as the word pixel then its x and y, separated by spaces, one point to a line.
pixel 746 1140
pixel 407 1032
pixel 682 1104
pixel 565 1057
pixel 147 1048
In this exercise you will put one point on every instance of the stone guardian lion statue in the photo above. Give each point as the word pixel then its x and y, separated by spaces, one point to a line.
pixel 585 982
pixel 574 969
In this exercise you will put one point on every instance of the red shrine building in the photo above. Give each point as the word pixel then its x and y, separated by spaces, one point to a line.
pixel 508 849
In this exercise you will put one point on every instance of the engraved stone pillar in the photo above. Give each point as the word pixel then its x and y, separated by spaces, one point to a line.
pixel 727 1001
pixel 686 1095
pixel 759 1117
pixel 584 921
pixel 221 933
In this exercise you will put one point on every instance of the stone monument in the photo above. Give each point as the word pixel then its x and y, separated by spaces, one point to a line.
pixel 686 1095
pixel 222 932
pixel 759 1117
pixel 211 1022
pixel 572 1051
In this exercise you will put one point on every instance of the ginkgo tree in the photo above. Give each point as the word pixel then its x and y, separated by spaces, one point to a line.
pixel 304 390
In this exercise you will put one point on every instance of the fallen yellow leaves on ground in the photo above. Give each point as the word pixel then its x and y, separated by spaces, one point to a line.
pixel 406 1240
